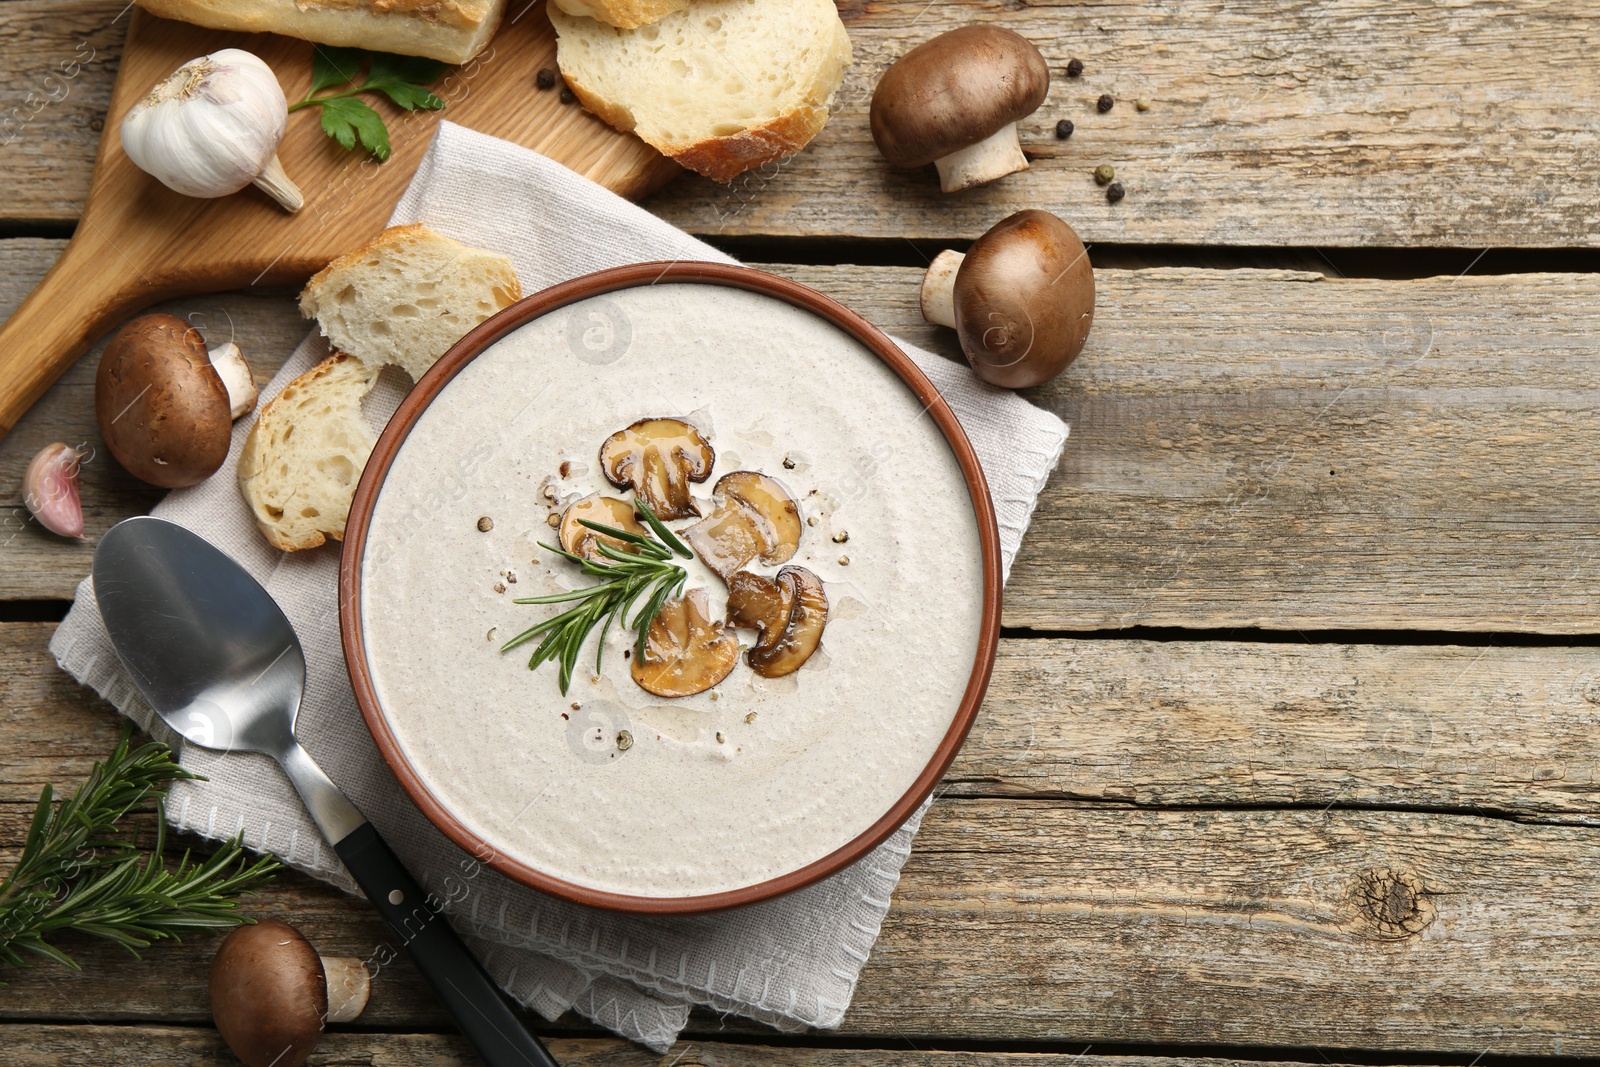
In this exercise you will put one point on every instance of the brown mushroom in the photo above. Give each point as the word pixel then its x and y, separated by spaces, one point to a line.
pixel 954 101
pixel 271 993
pixel 657 459
pixel 165 405
pixel 685 651
pixel 605 510
pixel 1021 299
pixel 755 519
pixel 789 610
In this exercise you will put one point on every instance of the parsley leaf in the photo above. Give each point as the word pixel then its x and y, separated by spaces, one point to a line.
pixel 403 79
pixel 346 120
pixel 332 66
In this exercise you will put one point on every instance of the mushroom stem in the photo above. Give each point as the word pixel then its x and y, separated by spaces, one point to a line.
pixel 349 986
pixel 938 288
pixel 230 366
pixel 993 157
pixel 274 181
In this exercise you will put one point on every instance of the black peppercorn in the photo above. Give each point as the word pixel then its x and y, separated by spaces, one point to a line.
pixel 1074 68
pixel 1064 129
pixel 1115 192
pixel 1105 103
pixel 545 79
pixel 566 95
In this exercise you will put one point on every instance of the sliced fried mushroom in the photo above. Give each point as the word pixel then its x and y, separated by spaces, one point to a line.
pixel 685 651
pixel 755 518
pixel 789 610
pixel 605 510
pixel 657 459
pixel 761 604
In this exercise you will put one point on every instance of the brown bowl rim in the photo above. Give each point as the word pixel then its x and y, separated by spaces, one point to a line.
pixel 551 299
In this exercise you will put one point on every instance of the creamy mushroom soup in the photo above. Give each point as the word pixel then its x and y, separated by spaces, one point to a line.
pixel 609 787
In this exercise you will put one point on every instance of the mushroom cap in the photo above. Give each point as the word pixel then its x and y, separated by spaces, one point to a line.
pixel 755 518
pixel 657 459
pixel 162 408
pixel 953 91
pixel 1024 300
pixel 686 652
pixel 268 994
pixel 605 510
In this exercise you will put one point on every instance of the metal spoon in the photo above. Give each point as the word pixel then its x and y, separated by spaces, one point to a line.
pixel 218 661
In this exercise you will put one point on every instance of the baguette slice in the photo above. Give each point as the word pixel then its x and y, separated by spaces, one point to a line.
pixel 721 86
pixel 451 30
pixel 407 296
pixel 624 14
pixel 305 454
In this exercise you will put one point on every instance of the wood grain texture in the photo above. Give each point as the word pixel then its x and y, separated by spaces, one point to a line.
pixel 1510 731
pixel 1352 122
pixel 1249 448
pixel 1023 919
pixel 83 1045
pixel 137 241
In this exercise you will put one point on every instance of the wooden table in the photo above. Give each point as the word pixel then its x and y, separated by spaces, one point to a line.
pixel 1291 749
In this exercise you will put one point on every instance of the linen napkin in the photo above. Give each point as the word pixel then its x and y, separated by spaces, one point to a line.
pixel 791 962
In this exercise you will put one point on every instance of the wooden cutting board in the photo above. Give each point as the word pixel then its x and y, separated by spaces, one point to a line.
pixel 138 242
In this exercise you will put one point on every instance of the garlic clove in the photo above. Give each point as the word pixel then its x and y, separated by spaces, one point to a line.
pixel 228 362
pixel 275 182
pixel 50 490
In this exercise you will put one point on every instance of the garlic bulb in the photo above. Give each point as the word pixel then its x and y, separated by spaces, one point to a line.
pixel 212 127
pixel 50 490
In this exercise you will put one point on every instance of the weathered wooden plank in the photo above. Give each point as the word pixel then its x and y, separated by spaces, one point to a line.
pixel 88 1045
pixel 1269 124
pixel 1161 724
pixel 1284 450
pixel 55 84
pixel 1024 919
pixel 148 1046
pixel 1512 730
pixel 1028 921
pixel 1249 448
pixel 1325 928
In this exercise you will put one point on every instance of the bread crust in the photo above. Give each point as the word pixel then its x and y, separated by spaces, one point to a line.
pixel 723 159
pixel 449 30
pixel 623 14
pixel 253 458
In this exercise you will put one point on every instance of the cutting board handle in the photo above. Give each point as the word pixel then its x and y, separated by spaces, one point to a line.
pixel 89 290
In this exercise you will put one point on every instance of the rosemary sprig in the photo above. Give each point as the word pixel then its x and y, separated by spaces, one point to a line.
pixel 643 568
pixel 79 871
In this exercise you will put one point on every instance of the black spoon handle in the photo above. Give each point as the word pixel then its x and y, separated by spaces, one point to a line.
pixel 479 1009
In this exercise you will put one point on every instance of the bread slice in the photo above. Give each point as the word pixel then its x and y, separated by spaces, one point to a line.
pixel 624 14
pixel 451 30
pixel 407 296
pixel 721 86
pixel 305 454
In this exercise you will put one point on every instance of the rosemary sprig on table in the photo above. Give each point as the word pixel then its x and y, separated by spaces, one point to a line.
pixel 80 871
pixel 643 568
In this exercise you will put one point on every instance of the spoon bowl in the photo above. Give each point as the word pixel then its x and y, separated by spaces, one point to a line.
pixel 212 653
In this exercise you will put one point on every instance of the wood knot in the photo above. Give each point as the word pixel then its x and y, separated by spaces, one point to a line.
pixel 1393 905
